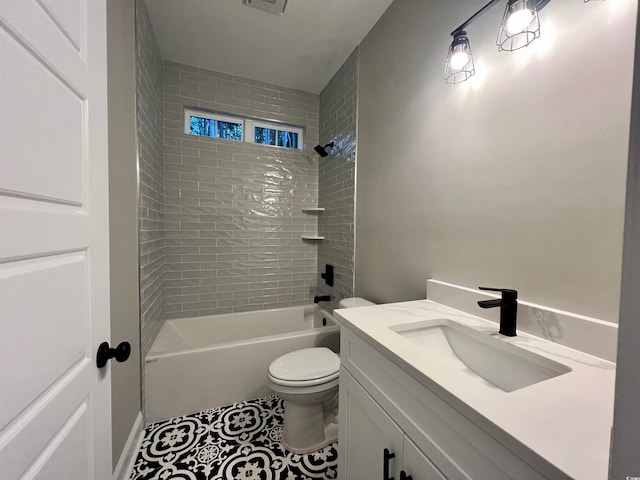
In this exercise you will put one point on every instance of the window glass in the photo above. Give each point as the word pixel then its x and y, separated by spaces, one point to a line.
pixel 202 126
pixel 230 131
pixel 265 136
pixel 287 139
pixel 231 127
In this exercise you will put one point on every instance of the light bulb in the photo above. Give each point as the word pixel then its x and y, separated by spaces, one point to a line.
pixel 458 60
pixel 519 20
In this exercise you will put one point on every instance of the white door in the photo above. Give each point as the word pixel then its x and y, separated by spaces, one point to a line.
pixel 54 291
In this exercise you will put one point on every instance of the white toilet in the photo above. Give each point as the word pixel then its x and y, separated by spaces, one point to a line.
pixel 308 382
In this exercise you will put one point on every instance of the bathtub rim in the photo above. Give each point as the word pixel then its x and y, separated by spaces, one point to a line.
pixel 151 357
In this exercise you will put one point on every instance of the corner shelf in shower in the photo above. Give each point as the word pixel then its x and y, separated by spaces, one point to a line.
pixel 311 237
pixel 313 209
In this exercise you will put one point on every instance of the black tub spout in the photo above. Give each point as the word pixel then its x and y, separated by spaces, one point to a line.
pixel 322 298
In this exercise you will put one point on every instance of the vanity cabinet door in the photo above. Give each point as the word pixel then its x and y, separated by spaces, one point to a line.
pixel 417 465
pixel 366 431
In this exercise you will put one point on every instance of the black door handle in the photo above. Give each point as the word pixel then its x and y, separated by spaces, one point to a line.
pixel 385 466
pixel 105 353
pixel 404 476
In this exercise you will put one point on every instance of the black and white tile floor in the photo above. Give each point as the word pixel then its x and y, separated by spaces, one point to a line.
pixel 239 441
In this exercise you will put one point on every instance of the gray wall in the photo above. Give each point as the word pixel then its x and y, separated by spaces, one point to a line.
pixel 123 220
pixel 150 151
pixel 625 461
pixel 336 178
pixel 232 210
pixel 515 179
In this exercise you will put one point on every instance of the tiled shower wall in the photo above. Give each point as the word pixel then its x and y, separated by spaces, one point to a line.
pixel 232 210
pixel 151 172
pixel 338 102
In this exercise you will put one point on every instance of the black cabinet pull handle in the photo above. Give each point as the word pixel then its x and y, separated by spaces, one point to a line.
pixel 404 476
pixel 385 466
pixel 105 353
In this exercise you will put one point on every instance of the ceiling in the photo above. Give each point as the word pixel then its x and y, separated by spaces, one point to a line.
pixel 301 49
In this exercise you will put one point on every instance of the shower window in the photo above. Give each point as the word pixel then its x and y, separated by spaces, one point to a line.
pixel 213 125
pixel 275 134
pixel 265 136
pixel 216 125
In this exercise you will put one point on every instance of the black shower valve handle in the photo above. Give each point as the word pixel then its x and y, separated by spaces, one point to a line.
pixel 327 275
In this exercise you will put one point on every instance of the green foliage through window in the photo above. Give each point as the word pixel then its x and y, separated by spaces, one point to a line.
pixel 230 131
pixel 265 136
pixel 209 127
pixel 230 127
pixel 202 126
pixel 287 139
pixel 280 138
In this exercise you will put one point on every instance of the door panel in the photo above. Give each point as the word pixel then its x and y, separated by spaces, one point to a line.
pixel 68 15
pixel 54 277
pixel 48 117
pixel 26 439
pixel 67 455
pixel 32 25
pixel 23 222
pixel 58 282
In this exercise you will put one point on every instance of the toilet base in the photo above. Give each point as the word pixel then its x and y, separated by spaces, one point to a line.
pixel 305 426
pixel 330 436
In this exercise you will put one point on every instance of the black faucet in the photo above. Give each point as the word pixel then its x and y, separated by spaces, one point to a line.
pixel 323 298
pixel 508 309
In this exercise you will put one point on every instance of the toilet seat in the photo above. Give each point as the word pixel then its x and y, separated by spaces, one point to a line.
pixel 307 367
pixel 303 383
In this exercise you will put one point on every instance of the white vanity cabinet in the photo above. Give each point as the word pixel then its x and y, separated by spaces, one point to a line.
pixel 371 442
pixel 382 406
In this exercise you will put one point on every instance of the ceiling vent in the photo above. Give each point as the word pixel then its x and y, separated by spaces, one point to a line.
pixel 272 6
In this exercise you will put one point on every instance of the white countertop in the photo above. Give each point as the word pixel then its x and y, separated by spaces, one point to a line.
pixel 566 420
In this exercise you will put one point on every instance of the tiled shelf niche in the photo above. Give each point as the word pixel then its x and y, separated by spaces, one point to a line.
pixel 312 210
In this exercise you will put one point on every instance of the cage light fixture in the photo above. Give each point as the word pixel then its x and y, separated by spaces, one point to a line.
pixel 520 26
pixel 459 65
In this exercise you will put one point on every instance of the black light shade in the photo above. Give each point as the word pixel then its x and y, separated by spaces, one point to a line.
pixel 322 151
pixel 459 65
pixel 520 25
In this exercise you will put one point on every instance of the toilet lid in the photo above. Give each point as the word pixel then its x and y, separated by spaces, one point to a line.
pixel 318 363
pixel 353 302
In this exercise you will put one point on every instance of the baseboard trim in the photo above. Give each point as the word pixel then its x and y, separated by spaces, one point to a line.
pixel 129 453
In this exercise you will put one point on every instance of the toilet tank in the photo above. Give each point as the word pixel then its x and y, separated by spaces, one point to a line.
pixel 354 302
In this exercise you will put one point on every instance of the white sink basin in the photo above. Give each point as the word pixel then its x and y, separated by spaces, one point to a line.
pixel 483 356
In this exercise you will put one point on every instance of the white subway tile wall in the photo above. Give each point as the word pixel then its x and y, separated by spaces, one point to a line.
pixel 151 181
pixel 338 110
pixel 233 211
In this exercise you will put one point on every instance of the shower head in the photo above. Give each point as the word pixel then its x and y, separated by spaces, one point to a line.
pixel 322 151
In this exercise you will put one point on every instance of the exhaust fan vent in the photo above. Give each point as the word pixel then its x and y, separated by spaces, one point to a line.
pixel 272 6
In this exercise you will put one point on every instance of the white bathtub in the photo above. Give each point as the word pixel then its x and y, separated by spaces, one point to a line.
pixel 205 362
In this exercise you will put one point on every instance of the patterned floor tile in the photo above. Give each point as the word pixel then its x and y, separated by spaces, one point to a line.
pixel 239 441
